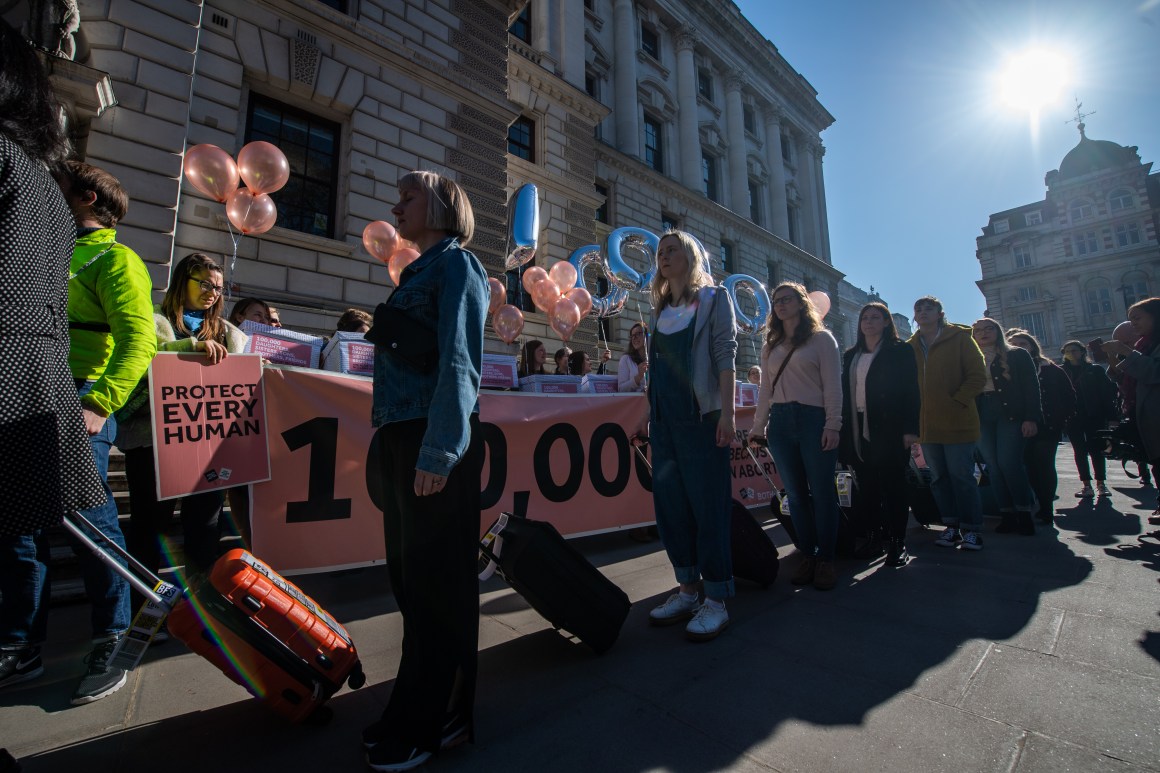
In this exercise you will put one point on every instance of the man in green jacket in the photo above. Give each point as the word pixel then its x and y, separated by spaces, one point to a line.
pixel 111 343
pixel 951 372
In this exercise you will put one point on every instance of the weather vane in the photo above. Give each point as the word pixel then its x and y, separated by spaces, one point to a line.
pixel 1079 116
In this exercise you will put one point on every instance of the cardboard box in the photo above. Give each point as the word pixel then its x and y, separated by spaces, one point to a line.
pixel 745 394
pixel 551 385
pixel 349 353
pixel 500 372
pixel 600 385
pixel 282 346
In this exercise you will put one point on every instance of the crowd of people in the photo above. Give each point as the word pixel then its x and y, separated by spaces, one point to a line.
pixel 88 330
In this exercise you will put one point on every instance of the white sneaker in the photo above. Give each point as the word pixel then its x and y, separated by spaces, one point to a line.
pixel 709 621
pixel 1085 492
pixel 674 610
pixel 1103 490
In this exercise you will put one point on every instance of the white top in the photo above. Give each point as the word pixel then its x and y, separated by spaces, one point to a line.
pixel 860 371
pixel 626 373
pixel 674 319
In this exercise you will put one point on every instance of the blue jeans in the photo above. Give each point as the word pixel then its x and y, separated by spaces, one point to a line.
pixel 1002 445
pixel 807 472
pixel 691 494
pixel 954 487
pixel 24 568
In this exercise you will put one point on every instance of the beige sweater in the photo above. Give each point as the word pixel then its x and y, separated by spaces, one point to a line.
pixel 812 377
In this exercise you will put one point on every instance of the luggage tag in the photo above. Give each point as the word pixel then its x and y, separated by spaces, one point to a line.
pixel 845 484
pixel 490 548
pixel 131 649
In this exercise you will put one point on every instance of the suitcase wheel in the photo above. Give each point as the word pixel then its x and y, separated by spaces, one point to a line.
pixel 252 604
pixel 357 678
pixel 323 661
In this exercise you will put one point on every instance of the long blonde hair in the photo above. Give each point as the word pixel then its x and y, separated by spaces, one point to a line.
pixel 1001 345
pixel 809 321
pixel 696 276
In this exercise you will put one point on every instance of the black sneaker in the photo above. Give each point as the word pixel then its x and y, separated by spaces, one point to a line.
pixel 456 730
pixel 102 680
pixel 20 665
pixel 391 754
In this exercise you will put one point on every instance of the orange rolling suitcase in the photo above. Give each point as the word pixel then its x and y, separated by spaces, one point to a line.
pixel 267 635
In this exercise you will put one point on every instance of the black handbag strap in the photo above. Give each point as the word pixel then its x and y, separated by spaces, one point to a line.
pixel 777 376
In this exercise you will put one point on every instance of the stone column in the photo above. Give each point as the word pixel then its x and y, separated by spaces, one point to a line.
pixel 823 219
pixel 543 16
pixel 570 32
pixel 811 171
pixel 807 238
pixel 626 109
pixel 779 223
pixel 690 145
pixel 735 131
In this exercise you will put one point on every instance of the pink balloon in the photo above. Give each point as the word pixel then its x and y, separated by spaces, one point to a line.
pixel 508 322
pixel 532 277
pixel 1126 333
pixel 211 170
pixel 399 261
pixel 821 302
pixel 498 294
pixel 381 240
pixel 563 274
pixel 582 298
pixel 564 318
pixel 545 295
pixel 251 214
pixel 263 167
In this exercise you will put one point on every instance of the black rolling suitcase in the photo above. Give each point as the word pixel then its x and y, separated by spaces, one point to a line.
pixel 920 496
pixel 754 556
pixel 555 578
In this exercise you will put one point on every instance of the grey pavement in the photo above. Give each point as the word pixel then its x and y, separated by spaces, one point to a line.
pixel 1035 654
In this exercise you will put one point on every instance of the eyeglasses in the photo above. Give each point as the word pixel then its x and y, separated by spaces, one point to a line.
pixel 209 287
pixel 783 300
pixel 637 334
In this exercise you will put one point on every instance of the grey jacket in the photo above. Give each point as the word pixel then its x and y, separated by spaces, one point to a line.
pixel 714 345
pixel 1145 368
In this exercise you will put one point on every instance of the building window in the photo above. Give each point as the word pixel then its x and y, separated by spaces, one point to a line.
pixel 311 145
pixel 522 27
pixel 1085 243
pixel 791 221
pixel 705 83
pixel 1120 200
pixel 1033 323
pixel 747 119
pixel 1001 226
pixel 342 6
pixel 728 262
pixel 1135 288
pixel 649 43
pixel 602 210
pixel 590 5
pixel 1022 254
pixel 1080 210
pixel 1127 234
pixel 669 222
pixel 1099 297
pixel 709 177
pixel 1027 294
pixel 756 201
pixel 1033 218
pixel 786 151
pixel 592 85
pixel 654 148
pixel 522 138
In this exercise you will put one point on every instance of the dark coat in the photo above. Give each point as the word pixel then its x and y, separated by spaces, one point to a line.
pixel 1058 397
pixel 1018 391
pixel 1095 396
pixel 892 400
pixel 48 468
pixel 1145 368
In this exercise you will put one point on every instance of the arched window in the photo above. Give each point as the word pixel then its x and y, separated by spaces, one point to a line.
pixel 1080 209
pixel 1098 297
pixel 1120 199
pixel 1135 287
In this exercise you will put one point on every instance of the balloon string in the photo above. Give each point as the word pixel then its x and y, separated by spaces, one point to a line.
pixel 235 239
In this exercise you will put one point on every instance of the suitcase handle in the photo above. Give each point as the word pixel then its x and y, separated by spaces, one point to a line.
pixel 74 522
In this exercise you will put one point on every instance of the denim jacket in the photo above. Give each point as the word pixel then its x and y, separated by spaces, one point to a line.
pixel 446 289
pixel 714 346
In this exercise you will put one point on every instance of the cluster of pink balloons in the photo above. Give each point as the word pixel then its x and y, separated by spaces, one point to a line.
pixel 555 293
pixel 507 320
pixel 260 165
pixel 383 241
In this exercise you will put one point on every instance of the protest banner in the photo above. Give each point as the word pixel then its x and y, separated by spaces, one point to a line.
pixel 209 423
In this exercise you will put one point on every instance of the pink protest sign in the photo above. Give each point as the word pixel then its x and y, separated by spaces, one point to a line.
pixel 209 423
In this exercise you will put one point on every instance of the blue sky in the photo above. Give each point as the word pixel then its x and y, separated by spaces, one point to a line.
pixel 923 150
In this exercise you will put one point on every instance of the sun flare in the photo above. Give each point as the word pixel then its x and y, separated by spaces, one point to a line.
pixel 1033 79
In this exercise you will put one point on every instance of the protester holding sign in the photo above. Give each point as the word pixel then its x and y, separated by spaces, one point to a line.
pixel 190 320
pixel 632 371
pixel 691 425
pixel 428 361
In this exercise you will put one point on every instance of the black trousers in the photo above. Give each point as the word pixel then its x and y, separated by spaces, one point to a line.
pixel 1084 447
pixel 432 553
pixel 1039 457
pixel 149 518
pixel 881 474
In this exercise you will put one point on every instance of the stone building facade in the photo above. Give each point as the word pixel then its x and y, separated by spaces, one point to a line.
pixel 1068 266
pixel 642 113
